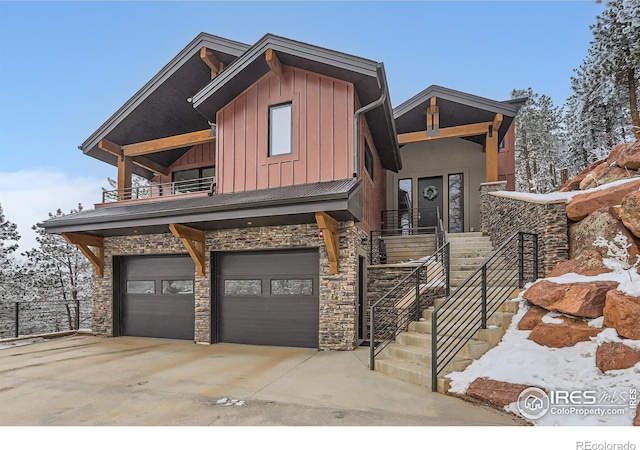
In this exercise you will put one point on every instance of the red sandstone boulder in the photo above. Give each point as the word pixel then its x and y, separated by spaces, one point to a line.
pixel 498 393
pixel 566 334
pixel 626 155
pixel 588 263
pixel 603 174
pixel 600 223
pixel 636 421
pixel 622 312
pixel 582 205
pixel 576 299
pixel 615 356
pixel 629 212
pixel 532 318
pixel 573 184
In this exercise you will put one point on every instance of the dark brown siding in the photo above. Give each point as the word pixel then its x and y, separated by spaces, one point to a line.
pixel 507 160
pixel 373 191
pixel 203 155
pixel 322 133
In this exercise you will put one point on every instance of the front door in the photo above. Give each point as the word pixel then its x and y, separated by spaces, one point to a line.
pixel 429 202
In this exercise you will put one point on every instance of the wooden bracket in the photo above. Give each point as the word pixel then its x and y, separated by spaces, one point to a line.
pixel 193 240
pixel 83 242
pixel 433 119
pixel 329 227
pixel 210 60
pixel 273 61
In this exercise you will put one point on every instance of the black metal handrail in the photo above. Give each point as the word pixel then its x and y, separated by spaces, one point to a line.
pixel 405 302
pixel 407 221
pixel 456 320
pixel 26 318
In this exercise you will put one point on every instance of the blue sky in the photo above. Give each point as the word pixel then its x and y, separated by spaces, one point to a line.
pixel 65 67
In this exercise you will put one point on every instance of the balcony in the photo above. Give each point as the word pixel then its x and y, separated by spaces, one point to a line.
pixel 159 191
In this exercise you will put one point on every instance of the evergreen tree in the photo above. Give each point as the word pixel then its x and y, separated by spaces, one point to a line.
pixel 539 144
pixel 61 272
pixel 10 268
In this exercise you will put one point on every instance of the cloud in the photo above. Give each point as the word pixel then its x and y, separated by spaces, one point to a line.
pixel 28 196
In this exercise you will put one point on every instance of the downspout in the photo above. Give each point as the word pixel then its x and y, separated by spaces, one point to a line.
pixel 356 116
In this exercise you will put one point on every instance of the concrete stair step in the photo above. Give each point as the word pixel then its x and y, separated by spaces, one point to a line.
pixel 412 373
pixel 499 319
pixel 473 348
pixel 421 356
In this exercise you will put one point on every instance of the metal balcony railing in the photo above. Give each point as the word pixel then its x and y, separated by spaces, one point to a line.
pixel 154 190
pixel 411 221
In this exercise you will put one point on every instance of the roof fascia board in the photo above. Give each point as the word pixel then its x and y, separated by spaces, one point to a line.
pixel 458 97
pixel 202 40
pixel 294 48
pixel 210 216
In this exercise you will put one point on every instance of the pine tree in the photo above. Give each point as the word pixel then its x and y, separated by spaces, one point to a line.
pixel 60 270
pixel 10 268
pixel 539 142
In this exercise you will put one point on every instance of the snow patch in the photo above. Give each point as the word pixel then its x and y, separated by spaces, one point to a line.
pixel 597 322
pixel 226 402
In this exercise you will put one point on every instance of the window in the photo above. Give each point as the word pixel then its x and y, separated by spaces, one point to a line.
pixel 291 287
pixel 141 287
pixel 280 129
pixel 368 159
pixel 177 286
pixel 243 287
pixel 193 180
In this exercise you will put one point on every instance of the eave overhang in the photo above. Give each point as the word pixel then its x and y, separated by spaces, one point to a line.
pixel 455 109
pixel 160 108
pixel 363 73
pixel 277 206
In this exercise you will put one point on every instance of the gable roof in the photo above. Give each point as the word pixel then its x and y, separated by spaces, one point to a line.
pixel 160 107
pixel 367 76
pixel 455 108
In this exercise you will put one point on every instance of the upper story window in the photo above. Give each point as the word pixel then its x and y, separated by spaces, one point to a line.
pixel 280 129
pixel 193 180
pixel 368 159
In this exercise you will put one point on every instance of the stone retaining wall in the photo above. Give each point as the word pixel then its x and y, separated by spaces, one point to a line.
pixel 503 215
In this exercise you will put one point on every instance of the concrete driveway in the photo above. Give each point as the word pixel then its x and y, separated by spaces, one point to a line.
pixel 87 380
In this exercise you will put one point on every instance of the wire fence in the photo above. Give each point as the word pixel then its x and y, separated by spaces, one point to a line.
pixel 35 317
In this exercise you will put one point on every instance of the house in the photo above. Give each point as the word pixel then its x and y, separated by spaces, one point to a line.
pixel 271 166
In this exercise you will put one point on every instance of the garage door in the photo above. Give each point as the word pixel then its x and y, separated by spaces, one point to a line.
pixel 269 298
pixel 157 297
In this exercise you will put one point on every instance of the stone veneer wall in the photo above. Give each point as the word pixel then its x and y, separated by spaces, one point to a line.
pixel 501 216
pixel 338 292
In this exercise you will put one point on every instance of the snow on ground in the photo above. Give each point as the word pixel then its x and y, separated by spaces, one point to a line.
pixel 557 196
pixel 20 342
pixel 521 361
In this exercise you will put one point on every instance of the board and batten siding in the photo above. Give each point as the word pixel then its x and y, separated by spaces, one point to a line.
pixel 322 127
pixel 202 155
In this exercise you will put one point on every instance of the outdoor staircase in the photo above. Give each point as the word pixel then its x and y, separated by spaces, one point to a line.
pixel 409 356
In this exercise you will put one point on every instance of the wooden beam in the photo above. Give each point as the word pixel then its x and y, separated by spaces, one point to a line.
pixel 125 171
pixel 473 129
pixel 491 156
pixel 115 149
pixel 497 121
pixel 83 242
pixel 433 118
pixel 169 143
pixel 210 60
pixel 273 61
pixel 193 239
pixel 329 227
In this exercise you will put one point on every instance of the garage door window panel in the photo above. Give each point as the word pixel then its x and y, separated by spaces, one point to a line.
pixel 177 287
pixel 141 287
pixel 292 287
pixel 243 288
